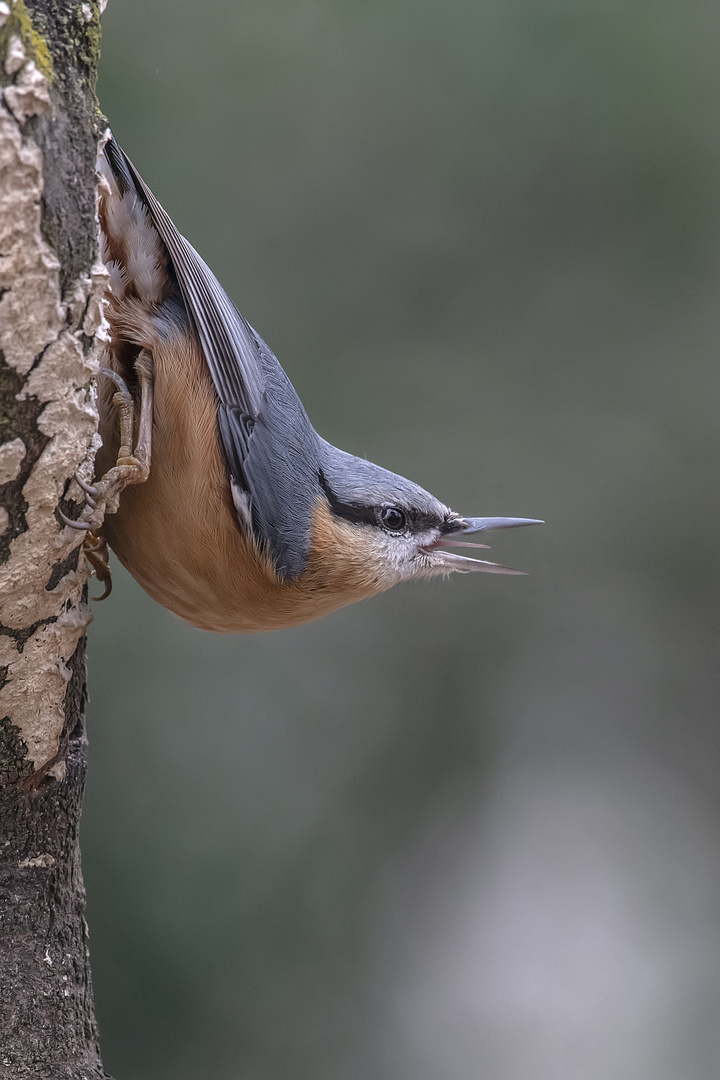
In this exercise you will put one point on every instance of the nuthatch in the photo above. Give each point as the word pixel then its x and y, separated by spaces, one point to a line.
pixel 247 519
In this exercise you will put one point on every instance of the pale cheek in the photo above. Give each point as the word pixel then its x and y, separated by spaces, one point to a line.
pixel 405 561
pixel 391 559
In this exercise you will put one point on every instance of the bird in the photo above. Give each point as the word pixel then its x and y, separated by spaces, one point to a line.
pixel 213 488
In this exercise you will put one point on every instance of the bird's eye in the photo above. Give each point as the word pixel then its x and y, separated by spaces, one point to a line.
pixel 391 518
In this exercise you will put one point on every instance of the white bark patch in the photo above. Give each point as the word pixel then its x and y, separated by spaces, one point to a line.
pixel 29 96
pixel 11 458
pixel 15 56
pixel 31 314
pixel 39 860
pixel 34 695
pixel 42 331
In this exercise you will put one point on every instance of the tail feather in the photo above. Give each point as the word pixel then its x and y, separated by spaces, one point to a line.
pixel 129 244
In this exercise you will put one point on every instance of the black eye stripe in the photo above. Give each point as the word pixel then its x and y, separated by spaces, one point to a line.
pixel 353 512
pixel 420 522
pixel 362 514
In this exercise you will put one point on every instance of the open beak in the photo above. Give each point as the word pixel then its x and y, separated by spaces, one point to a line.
pixel 468 526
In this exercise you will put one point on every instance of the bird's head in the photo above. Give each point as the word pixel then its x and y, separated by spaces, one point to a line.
pixel 388 529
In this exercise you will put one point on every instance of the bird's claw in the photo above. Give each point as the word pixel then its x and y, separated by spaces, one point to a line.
pixel 73 524
pixel 89 489
pixel 96 552
pixel 117 379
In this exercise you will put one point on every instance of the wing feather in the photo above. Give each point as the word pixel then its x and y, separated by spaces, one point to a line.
pixel 227 341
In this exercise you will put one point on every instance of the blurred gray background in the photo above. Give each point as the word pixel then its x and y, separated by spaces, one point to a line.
pixel 469 830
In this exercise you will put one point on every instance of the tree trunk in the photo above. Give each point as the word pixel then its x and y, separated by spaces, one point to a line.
pixel 50 320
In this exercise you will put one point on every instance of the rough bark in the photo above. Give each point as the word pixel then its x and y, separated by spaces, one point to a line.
pixel 50 320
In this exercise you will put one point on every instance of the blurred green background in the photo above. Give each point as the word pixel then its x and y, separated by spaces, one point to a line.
pixel 469 830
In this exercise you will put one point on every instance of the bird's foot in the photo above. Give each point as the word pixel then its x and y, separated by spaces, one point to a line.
pixel 97 554
pixel 133 460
